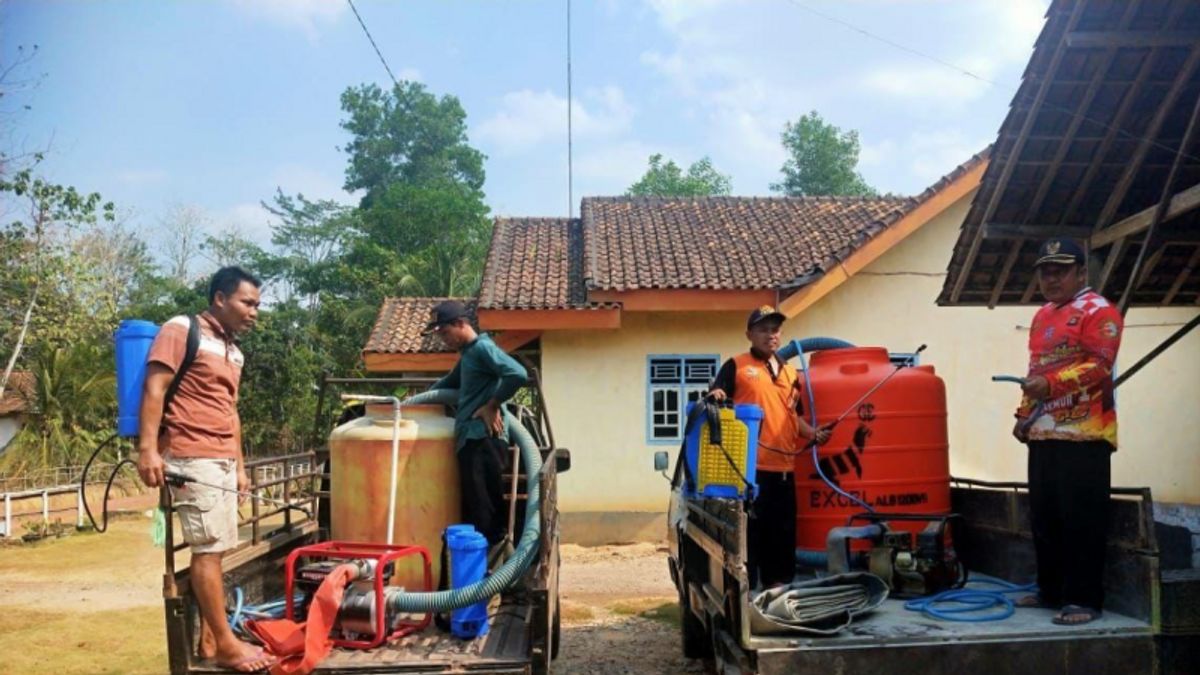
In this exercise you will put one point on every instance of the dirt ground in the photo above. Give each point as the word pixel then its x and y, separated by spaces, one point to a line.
pixel 91 603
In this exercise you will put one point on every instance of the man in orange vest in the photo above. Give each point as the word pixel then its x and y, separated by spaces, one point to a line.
pixel 762 378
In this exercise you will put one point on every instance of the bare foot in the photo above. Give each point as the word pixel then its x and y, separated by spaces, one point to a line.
pixel 208 641
pixel 244 658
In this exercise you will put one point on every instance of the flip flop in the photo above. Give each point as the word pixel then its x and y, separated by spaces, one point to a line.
pixel 1089 615
pixel 243 665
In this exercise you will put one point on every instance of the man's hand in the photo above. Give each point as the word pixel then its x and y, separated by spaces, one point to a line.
pixel 1036 388
pixel 490 414
pixel 1019 432
pixel 822 433
pixel 717 395
pixel 243 485
pixel 150 467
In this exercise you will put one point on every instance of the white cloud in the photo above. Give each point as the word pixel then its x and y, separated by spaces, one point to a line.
pixel 307 16
pixel 312 183
pixel 933 154
pixel 251 221
pixel 528 118
pixel 140 177
pixel 409 74
pixel 610 168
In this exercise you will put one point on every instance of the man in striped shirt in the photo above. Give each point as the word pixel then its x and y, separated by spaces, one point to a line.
pixel 198 434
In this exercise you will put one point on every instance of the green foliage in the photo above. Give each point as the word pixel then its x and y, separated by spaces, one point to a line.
pixel 668 180
pixel 823 160
pixel 406 136
pixel 73 407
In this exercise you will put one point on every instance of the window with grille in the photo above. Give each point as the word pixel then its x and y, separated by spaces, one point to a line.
pixel 903 359
pixel 673 381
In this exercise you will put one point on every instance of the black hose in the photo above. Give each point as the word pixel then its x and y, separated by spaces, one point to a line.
pixel 83 481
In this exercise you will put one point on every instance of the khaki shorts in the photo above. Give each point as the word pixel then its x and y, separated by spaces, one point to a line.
pixel 208 517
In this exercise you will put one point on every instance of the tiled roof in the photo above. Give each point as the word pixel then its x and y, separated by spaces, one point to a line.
pixel 534 263
pixel 18 394
pixel 723 242
pixel 398 328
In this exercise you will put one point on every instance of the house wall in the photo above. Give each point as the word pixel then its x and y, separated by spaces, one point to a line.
pixel 595 384
pixel 10 425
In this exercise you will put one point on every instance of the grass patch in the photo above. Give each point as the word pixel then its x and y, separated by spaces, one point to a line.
pixel 665 610
pixel 81 556
pixel 127 641
pixel 571 612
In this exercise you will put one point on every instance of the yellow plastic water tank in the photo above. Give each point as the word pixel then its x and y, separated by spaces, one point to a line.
pixel 427 488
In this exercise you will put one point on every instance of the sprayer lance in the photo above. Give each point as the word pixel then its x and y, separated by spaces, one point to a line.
pixel 899 366
pixel 179 480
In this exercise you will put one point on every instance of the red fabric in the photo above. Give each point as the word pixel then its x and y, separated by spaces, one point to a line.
pixel 1074 346
pixel 302 646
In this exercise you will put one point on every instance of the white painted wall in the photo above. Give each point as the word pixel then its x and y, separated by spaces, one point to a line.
pixel 596 381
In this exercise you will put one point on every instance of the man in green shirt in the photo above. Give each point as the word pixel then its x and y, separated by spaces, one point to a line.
pixel 485 378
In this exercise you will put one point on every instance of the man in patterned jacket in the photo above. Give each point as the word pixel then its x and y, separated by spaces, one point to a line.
pixel 1068 418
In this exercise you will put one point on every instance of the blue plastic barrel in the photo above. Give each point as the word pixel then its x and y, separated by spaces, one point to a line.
pixel 133 339
pixel 468 565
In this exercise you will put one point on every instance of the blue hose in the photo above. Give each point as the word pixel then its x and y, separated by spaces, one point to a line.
pixel 967 602
pixel 797 348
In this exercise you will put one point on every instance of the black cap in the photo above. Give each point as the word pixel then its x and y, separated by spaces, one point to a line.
pixel 1060 252
pixel 446 312
pixel 763 313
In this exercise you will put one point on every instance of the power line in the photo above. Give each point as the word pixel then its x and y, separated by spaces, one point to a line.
pixel 570 102
pixel 372 40
pixel 963 71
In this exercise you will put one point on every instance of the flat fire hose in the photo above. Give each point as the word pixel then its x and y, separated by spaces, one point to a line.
pixel 816 607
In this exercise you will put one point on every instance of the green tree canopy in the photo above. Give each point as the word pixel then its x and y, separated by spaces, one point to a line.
pixel 823 160
pixel 408 136
pixel 668 180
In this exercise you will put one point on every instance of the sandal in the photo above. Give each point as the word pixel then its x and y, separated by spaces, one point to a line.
pixel 1083 615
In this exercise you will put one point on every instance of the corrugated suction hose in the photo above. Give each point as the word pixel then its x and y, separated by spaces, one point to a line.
pixel 527 546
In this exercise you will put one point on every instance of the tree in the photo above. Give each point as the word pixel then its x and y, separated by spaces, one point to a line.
pixel 406 136
pixel 823 160
pixel 52 211
pixel 668 180
pixel 422 225
pixel 183 226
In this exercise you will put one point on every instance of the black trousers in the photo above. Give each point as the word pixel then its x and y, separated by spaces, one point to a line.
pixel 1069 485
pixel 480 465
pixel 771 539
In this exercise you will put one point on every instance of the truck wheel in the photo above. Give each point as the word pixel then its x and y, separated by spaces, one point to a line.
pixel 696 642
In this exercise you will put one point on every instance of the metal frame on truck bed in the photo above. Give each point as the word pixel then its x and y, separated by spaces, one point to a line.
pixel 524 634
pixel 707 563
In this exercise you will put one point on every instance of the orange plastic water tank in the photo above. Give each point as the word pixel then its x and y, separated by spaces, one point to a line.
pixel 891 451
pixel 427 488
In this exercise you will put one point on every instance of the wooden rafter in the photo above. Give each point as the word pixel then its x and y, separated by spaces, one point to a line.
pixel 1110 264
pixel 1014 254
pixel 1181 203
pixel 1034 231
pixel 1138 38
pixel 1134 165
pixel 1085 104
pixel 1015 153
pixel 1030 289
pixel 1164 201
pixel 1118 120
pixel 1184 273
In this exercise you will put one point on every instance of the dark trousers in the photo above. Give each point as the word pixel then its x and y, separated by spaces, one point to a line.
pixel 480 465
pixel 771 539
pixel 1069 485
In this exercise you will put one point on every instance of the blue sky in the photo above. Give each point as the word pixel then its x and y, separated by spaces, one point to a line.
pixel 214 104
